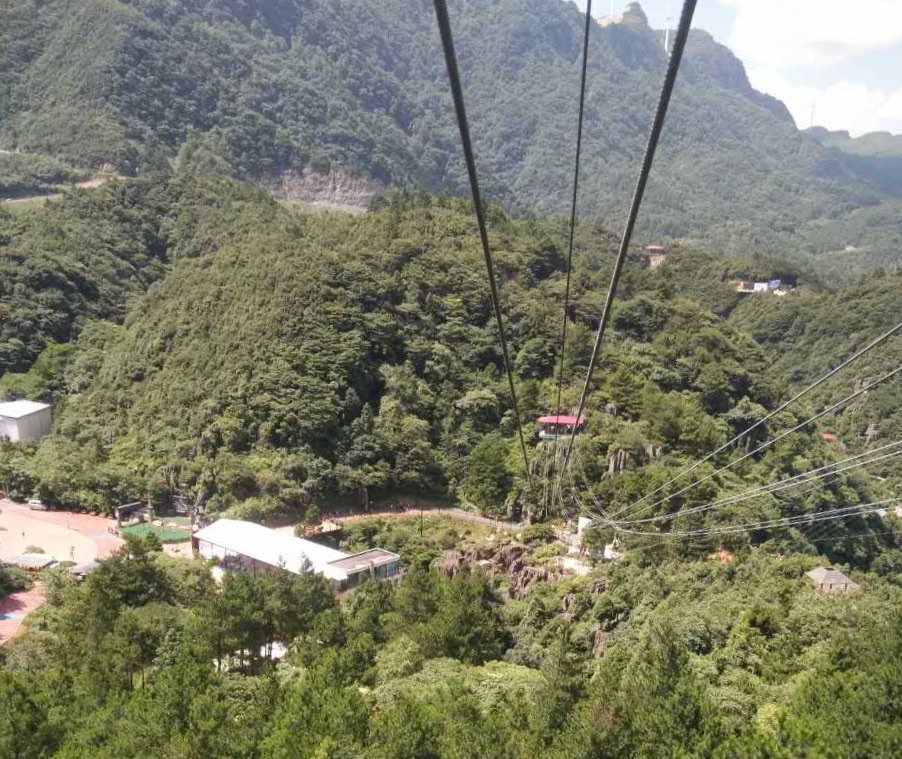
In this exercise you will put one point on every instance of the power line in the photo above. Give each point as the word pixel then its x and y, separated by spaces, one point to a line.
pixel 444 26
pixel 873 344
pixel 768 444
pixel 798 480
pixel 579 143
pixel 791 521
pixel 673 66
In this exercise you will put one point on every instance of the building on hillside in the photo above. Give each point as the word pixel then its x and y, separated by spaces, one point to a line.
pixel 24 420
pixel 655 255
pixel 831 580
pixel 133 513
pixel 559 425
pixel 612 551
pixel 34 562
pixel 775 286
pixel 743 285
pixel 248 547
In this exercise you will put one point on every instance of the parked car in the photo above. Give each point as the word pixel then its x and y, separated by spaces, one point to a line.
pixel 36 504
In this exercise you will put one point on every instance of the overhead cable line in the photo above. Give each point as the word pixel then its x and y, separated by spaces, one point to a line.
pixel 769 443
pixel 673 66
pixel 825 518
pixel 444 26
pixel 805 478
pixel 817 383
pixel 579 143
pixel 791 521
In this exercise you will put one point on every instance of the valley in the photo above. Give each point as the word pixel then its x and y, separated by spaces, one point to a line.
pixel 244 300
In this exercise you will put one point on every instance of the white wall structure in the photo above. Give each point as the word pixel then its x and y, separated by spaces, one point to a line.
pixel 24 420
pixel 250 547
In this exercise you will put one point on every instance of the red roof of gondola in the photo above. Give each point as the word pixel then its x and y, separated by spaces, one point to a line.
pixel 561 419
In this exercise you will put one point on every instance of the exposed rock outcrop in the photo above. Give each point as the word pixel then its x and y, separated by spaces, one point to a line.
pixel 338 190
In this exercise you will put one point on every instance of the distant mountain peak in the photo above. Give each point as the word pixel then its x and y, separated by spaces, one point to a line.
pixel 633 14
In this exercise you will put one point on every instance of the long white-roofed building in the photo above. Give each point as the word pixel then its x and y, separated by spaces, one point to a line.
pixel 250 547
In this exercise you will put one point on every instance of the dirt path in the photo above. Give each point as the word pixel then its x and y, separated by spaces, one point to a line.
pixel 89 184
pixel 467 516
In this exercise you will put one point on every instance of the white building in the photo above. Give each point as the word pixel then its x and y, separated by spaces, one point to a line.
pixel 24 420
pixel 250 547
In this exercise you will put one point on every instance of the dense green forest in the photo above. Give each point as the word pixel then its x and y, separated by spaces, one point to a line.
pixel 34 174
pixel 284 85
pixel 289 363
pixel 199 339
pixel 652 658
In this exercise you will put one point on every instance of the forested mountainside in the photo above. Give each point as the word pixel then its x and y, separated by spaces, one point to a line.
pixel 288 362
pixel 654 658
pixel 807 334
pixel 876 156
pixel 281 85
pixel 874 144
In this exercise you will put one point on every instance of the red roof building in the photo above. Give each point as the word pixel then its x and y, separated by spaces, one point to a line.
pixel 558 424
pixel 562 419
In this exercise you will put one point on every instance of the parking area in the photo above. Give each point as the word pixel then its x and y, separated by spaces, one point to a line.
pixel 65 536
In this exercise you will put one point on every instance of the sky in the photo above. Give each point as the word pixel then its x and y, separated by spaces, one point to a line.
pixel 840 60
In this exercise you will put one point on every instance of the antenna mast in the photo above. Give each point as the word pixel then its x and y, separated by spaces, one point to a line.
pixel 667 23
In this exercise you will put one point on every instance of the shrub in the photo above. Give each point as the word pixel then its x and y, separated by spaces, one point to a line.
pixel 540 532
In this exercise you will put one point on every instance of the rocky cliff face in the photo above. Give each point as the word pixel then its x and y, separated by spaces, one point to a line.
pixel 707 60
pixel 336 189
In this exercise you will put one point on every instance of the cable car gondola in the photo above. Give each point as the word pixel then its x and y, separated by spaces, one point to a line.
pixel 559 426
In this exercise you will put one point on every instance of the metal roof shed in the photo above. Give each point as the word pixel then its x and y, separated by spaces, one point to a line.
pixel 276 549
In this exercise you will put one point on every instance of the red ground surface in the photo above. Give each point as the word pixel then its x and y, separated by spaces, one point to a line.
pixel 64 535
pixel 14 609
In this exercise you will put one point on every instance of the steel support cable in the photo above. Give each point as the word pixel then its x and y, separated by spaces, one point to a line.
pixel 873 344
pixel 582 469
pixel 826 479
pixel 717 529
pixel 818 517
pixel 673 66
pixel 444 26
pixel 666 538
pixel 769 443
pixel 848 535
pixel 573 199
pixel 791 521
pixel 798 480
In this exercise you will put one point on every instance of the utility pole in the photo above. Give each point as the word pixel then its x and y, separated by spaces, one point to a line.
pixel 667 23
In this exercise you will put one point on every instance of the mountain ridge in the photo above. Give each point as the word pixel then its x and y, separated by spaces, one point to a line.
pixel 284 85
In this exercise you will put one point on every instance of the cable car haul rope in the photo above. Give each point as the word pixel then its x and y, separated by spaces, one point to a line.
pixel 559 426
